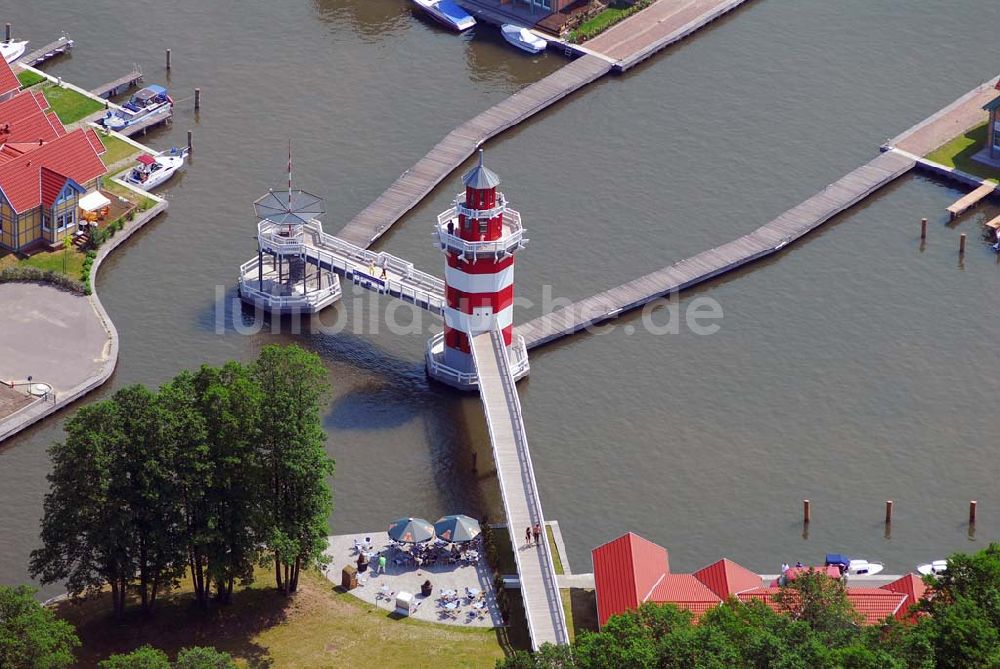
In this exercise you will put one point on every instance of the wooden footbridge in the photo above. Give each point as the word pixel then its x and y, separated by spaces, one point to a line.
pixel 770 238
pixel 462 142
pixel 47 52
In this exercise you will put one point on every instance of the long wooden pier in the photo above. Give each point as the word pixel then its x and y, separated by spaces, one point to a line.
pixel 535 567
pixel 119 85
pixel 47 52
pixel 462 142
pixel 764 241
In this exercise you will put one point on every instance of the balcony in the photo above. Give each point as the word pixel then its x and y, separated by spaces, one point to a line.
pixel 513 238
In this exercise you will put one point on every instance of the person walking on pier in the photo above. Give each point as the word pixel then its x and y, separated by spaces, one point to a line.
pixel 383 263
pixel 537 533
pixel 527 535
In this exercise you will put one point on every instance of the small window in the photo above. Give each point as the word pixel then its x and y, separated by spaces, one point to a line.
pixel 483 226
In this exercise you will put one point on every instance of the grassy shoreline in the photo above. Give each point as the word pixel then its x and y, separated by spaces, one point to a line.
pixel 958 153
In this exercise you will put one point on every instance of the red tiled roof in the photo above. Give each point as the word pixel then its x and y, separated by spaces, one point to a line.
pixel 832 571
pixel 726 577
pixel 685 591
pixel 626 571
pixel 52 183
pixel 56 123
pixel 95 141
pixel 910 585
pixel 70 155
pixel 874 604
pixel 8 80
pixel 23 119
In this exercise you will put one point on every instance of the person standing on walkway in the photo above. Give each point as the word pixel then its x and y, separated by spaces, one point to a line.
pixel 527 535
pixel 381 565
pixel 537 532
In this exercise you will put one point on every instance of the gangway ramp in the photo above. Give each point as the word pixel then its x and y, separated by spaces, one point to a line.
pixel 539 589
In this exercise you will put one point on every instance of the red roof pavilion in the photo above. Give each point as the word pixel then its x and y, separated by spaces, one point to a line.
pixel 626 571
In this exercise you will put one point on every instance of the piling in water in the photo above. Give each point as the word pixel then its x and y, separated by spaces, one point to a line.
pixel 961 244
pixel 6 32
pixel 923 228
pixel 888 511
pixel 168 59
pixel 190 141
pixel 197 98
pixel 806 511
pixel 972 512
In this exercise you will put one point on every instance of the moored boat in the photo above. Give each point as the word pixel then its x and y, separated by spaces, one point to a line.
pixel 151 100
pixel 447 13
pixel 12 50
pixel 523 38
pixel 935 568
pixel 151 171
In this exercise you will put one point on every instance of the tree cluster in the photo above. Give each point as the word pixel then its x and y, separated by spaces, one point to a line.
pixel 148 657
pixel 955 626
pixel 218 471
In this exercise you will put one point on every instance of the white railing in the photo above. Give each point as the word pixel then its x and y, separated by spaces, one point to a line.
pixel 512 240
pixel 549 581
pixel 438 368
pixel 281 239
pixel 479 214
pixel 250 281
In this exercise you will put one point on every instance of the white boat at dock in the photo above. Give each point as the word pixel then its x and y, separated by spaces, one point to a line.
pixel 151 171
pixel 447 13
pixel 523 38
pixel 13 49
pixel 935 568
pixel 151 100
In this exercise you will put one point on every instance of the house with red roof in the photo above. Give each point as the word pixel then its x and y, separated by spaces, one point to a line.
pixel 631 570
pixel 41 184
pixel 26 119
pixel 9 84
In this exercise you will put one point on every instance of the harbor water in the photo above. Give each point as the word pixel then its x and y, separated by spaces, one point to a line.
pixel 854 367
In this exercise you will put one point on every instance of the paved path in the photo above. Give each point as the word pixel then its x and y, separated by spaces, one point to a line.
pixel 961 115
pixel 539 588
pixel 657 27
pixel 50 334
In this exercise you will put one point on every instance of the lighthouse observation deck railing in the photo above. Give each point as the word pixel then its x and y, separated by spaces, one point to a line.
pixel 517 355
pixel 259 283
pixel 539 588
pixel 512 240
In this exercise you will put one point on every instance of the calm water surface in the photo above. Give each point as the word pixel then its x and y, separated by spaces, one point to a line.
pixel 854 368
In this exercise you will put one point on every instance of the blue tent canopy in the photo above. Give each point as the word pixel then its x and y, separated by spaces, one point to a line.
pixel 838 559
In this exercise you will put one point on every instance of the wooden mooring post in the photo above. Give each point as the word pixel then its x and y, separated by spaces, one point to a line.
pixel 6 32
pixel 972 512
pixel 190 141
pixel 197 99
pixel 168 59
pixel 806 511
pixel 961 244
pixel 923 228
pixel 888 512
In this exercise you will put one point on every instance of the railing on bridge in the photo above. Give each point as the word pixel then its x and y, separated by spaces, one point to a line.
pixel 526 485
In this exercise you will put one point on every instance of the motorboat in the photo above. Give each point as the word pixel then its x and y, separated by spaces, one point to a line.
pixel 935 568
pixel 13 49
pixel 523 38
pixel 447 13
pixel 151 171
pixel 151 100
pixel 853 567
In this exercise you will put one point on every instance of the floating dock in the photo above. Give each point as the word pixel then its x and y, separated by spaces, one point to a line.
pixel 969 201
pixel 47 52
pixel 120 85
pixel 146 123
pixel 772 237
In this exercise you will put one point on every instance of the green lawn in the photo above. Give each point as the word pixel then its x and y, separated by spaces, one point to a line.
pixel 117 149
pixel 556 558
pixel 958 154
pixel 49 260
pixel 614 14
pixel 319 627
pixel 129 194
pixel 29 78
pixel 69 105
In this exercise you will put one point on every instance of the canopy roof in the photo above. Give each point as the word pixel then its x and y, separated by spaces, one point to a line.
pixel 480 177
pixel 94 201
pixel 277 207
pixel 146 159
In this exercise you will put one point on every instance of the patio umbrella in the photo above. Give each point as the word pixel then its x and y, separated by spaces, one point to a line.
pixel 457 528
pixel 411 530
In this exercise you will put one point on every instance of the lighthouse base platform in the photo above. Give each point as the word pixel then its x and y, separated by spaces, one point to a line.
pixel 296 289
pixel 462 374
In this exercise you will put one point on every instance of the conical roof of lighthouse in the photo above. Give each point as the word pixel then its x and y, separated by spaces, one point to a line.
pixel 481 177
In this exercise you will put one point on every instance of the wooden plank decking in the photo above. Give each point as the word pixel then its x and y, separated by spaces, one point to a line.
pixel 119 85
pixel 453 150
pixel 970 200
pixel 539 588
pixel 788 227
pixel 39 56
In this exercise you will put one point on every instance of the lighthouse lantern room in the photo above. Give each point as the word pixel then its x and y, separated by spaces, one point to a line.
pixel 479 236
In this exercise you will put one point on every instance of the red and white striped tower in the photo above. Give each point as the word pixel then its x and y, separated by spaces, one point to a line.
pixel 479 237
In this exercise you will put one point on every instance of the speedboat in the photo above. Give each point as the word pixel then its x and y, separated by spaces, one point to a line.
pixel 152 171
pixel 447 13
pixel 150 101
pixel 864 568
pixel 13 49
pixel 935 568
pixel 523 38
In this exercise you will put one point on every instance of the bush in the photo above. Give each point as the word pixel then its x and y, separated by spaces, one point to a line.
pixel 33 274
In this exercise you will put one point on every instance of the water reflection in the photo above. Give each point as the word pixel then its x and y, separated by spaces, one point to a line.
pixel 373 20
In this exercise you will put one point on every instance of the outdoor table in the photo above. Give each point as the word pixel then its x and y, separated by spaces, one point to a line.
pixel 451 606
pixel 473 592
pixel 479 605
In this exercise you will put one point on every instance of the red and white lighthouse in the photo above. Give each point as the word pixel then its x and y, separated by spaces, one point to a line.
pixel 479 236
